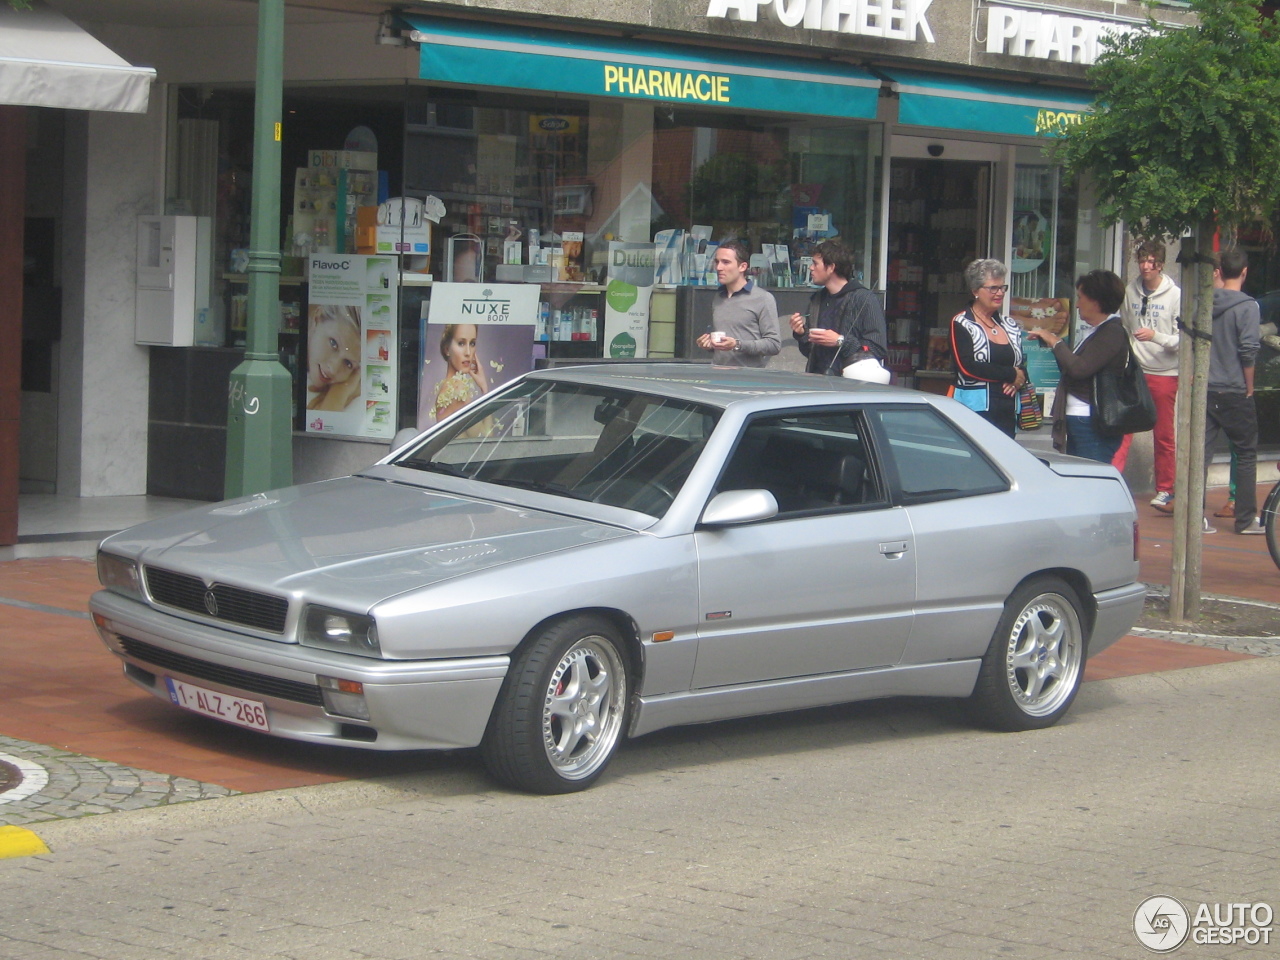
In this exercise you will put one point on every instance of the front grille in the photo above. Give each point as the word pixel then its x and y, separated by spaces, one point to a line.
pixel 233 604
pixel 307 693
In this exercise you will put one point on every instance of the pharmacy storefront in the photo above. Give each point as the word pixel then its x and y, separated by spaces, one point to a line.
pixel 468 193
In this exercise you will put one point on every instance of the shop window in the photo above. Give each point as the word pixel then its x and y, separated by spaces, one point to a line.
pixel 562 193
pixel 538 191
pixel 1055 238
pixel 781 186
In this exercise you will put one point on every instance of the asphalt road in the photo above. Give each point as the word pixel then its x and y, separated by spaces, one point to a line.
pixel 881 830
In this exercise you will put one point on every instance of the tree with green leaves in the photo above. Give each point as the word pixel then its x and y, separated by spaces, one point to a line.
pixel 1184 141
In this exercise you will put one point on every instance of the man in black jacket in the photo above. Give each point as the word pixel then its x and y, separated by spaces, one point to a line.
pixel 845 322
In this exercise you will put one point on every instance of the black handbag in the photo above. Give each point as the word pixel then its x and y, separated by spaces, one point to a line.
pixel 1121 399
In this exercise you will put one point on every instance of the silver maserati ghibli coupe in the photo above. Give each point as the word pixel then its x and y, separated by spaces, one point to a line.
pixel 597 552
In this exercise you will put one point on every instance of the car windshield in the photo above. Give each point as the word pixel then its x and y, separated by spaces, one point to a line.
pixel 606 446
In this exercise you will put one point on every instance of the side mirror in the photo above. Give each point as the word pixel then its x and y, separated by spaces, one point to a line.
pixel 403 436
pixel 739 506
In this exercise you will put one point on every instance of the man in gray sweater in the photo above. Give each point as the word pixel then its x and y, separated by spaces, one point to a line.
pixel 1230 396
pixel 744 318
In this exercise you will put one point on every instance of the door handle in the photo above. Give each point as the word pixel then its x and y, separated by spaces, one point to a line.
pixel 893 549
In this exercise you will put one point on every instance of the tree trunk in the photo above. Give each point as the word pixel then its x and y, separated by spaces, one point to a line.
pixel 1182 425
pixel 1188 516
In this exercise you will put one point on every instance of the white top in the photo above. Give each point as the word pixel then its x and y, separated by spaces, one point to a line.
pixel 1075 406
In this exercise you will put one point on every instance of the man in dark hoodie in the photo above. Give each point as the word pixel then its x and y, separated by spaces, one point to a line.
pixel 845 323
pixel 1230 408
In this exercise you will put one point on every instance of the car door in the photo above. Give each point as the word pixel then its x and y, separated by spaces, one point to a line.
pixel 826 586
pixel 972 543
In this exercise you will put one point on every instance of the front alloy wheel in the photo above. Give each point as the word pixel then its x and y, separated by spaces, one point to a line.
pixel 1032 669
pixel 560 715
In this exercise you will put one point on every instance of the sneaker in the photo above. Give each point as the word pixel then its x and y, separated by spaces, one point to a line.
pixel 1207 527
pixel 1228 509
pixel 1161 499
pixel 1253 529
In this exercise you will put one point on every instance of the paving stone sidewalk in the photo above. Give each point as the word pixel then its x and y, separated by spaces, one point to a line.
pixel 78 786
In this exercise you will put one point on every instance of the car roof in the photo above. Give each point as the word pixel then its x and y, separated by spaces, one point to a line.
pixel 723 387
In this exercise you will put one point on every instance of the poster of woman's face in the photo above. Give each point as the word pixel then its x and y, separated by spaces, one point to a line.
pixel 333 357
pixel 461 361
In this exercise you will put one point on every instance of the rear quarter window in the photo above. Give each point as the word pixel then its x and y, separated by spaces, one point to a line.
pixel 933 459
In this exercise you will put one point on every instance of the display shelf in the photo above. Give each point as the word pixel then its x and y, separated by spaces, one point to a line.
pixel 244 278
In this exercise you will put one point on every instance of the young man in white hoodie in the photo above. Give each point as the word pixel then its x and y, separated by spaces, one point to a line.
pixel 1152 306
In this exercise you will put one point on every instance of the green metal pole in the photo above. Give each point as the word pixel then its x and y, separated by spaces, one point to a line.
pixel 259 435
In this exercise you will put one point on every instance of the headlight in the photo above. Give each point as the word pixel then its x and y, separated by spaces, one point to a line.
pixel 336 630
pixel 118 574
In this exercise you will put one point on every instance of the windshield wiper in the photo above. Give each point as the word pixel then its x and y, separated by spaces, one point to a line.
pixel 435 466
pixel 541 486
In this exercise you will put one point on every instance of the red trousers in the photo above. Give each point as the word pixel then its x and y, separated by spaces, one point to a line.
pixel 1164 391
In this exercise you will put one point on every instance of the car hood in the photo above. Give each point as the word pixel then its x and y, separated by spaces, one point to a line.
pixel 353 541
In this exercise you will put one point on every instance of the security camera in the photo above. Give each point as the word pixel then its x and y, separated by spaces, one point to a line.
pixel 935 149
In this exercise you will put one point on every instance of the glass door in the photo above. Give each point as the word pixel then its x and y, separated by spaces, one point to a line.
pixel 939 221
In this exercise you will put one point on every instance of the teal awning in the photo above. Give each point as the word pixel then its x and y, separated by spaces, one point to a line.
pixel 961 103
pixel 480 54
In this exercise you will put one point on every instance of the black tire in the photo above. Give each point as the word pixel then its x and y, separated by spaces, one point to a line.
pixel 562 709
pixel 1031 671
pixel 1271 521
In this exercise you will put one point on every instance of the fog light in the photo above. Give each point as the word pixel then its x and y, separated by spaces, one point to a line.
pixel 106 629
pixel 344 698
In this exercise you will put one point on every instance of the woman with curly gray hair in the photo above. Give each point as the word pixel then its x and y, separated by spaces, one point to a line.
pixel 987 347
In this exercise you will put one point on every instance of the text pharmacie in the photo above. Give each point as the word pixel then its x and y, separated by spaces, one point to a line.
pixel 666 84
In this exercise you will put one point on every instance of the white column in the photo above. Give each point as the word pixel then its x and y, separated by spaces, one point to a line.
pixel 637 171
pixel 103 446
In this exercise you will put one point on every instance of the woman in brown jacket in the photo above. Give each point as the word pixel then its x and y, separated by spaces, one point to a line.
pixel 1104 343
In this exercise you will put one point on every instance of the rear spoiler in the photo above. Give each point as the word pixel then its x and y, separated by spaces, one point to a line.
pixel 1065 466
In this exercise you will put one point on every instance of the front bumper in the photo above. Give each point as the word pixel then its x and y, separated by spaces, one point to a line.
pixel 413 705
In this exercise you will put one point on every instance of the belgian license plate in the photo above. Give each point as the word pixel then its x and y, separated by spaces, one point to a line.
pixel 223 706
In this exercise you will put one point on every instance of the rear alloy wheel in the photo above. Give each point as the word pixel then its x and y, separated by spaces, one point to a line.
pixel 561 711
pixel 1032 669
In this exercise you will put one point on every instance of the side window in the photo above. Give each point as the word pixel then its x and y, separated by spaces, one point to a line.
pixel 809 461
pixel 934 460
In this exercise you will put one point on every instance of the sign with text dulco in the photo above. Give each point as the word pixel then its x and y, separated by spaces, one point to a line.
pixel 626 298
pixel 351 345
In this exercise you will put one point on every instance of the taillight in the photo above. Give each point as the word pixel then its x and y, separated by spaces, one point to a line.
pixel 1135 541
